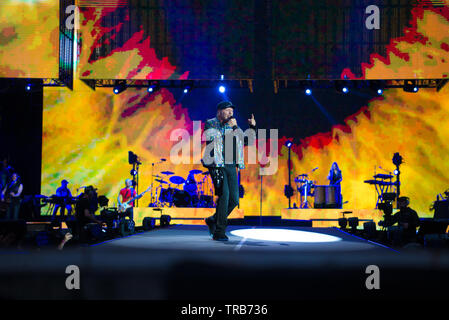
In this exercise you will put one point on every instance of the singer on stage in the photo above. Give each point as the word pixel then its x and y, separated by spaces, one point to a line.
pixel 224 172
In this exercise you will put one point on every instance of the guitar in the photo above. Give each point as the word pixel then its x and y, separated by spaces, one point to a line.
pixel 126 205
pixel 5 200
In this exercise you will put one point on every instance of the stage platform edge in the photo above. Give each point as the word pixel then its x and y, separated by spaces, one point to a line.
pixel 329 217
pixel 181 215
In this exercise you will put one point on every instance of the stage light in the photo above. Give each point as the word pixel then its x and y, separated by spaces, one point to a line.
pixel 410 86
pixel 284 235
pixel 369 229
pixel 396 172
pixel 342 86
pixel 28 87
pixel 165 220
pixel 120 87
pixel 133 172
pixel 353 222
pixel 377 86
pixel 222 89
pixel 148 223
pixel 342 222
pixel 288 143
pixel 154 86
pixel 308 91
pixel 188 88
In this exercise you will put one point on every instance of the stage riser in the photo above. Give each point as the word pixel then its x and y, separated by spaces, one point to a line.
pixel 195 215
pixel 298 217
pixel 331 216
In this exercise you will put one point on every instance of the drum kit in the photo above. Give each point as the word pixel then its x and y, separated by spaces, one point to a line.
pixel 304 187
pixel 175 191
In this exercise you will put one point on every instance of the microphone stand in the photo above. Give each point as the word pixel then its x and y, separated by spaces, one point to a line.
pixel 137 183
pixel 152 204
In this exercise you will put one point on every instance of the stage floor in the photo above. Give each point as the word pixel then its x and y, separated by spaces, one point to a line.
pixel 194 237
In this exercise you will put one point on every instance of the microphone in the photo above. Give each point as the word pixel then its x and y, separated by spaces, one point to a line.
pixel 163 159
pixel 230 118
pixel 384 169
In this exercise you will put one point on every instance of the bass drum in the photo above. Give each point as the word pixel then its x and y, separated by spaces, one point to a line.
pixel 325 197
pixel 166 195
pixel 182 199
pixel 320 197
pixel 331 197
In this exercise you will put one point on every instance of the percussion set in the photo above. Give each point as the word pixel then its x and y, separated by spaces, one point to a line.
pixel 325 196
pixel 184 193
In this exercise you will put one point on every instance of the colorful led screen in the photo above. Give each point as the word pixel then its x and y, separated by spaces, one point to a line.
pixel 29 38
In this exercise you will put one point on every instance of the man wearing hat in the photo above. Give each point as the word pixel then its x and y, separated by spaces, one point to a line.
pixel 223 167
pixel 65 195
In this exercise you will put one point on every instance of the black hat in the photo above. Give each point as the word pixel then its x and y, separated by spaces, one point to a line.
pixel 224 105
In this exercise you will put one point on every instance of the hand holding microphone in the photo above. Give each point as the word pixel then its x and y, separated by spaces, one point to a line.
pixel 232 122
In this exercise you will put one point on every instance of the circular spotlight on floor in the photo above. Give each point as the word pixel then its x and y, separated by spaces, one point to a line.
pixel 284 235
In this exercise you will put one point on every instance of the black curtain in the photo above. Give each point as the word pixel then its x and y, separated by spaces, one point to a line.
pixel 21 129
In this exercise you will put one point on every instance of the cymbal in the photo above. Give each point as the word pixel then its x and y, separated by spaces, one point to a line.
pixel 177 180
pixel 161 181
pixel 167 173
pixel 195 171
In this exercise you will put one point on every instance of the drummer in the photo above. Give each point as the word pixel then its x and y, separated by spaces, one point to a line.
pixel 335 179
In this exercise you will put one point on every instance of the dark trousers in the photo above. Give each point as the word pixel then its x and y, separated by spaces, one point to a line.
pixel 13 209
pixel 227 190
pixel 130 213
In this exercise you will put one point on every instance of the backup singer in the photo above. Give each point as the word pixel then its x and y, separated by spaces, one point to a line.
pixel 222 171
pixel 335 178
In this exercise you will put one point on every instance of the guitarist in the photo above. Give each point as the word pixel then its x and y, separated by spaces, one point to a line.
pixel 13 194
pixel 126 194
